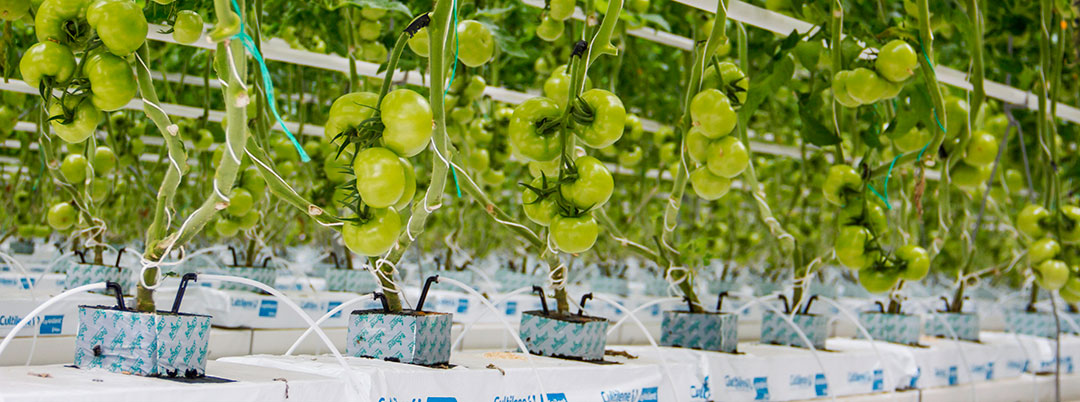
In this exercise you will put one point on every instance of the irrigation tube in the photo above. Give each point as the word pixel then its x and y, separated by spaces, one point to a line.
pixel 298 310
pixel 862 329
pixel 326 316
pixel 642 307
pixel 959 346
pixel 517 338
pixel 659 353
pixel 469 325
pixel 33 313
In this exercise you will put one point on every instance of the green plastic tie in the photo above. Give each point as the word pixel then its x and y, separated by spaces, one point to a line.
pixel 453 72
pixel 249 44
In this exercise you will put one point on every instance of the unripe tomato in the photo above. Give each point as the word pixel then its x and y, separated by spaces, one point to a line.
pixel 374 52
pixel 524 135
pixel 410 185
pixel 1071 291
pixel 188 27
pixel 631 157
pixel 896 61
pixel 697 145
pixel 347 112
pixel 956 112
pixel 475 88
pixel 1042 250
pixel 99 189
pixel 104 160
pixel 226 227
pixel 1033 220
pixel 204 139
pixel 1052 274
pixel 61 216
pixel 73 168
pixel 14 10
pixel 375 236
pixel 249 220
pixel 550 29
pixel 913 140
pixel 560 10
pixel 969 177
pixel 419 42
pixel 546 168
pixel 609 117
pixel 593 186
pixel 539 211
pixel 1014 179
pixel 916 262
pixel 633 128
pixel 372 13
pixel 380 178
pixel 712 110
pixel 728 157
pixel 370 30
pixel 840 90
pixel 1070 224
pixel 730 74
pixel 112 83
pixel 997 124
pixel 574 234
pixel 408 120
pixel 707 185
pixel 120 24
pixel 47 60
pixel 478 160
pixel 982 149
pixel 851 245
pixel 476 43
pixel 252 181
pixel 878 280
pixel 240 202
pixel 335 167
pixel 463 115
pixel 866 86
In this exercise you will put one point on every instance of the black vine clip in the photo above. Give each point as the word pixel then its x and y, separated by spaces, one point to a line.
pixel 418 24
pixel 579 48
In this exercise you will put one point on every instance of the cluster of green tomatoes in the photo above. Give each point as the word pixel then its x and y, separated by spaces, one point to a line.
pixel 1054 253
pixel 720 156
pixel 895 63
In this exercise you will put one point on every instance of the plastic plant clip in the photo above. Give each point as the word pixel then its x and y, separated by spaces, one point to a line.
pixel 423 293
pixel 191 276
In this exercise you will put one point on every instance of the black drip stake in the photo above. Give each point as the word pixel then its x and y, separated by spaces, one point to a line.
pixel 809 301
pixel 787 308
pixel 584 298
pixel 720 301
pixel 423 293
pixel 543 299
pixel 82 256
pixel 119 294
pixel 385 304
pixel 119 253
pixel 946 301
pixel 337 265
pixel 191 276
pixel 881 306
pixel 235 262
pixel 266 261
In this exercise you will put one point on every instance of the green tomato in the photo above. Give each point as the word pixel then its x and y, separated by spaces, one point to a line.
pixel 1052 274
pixel 204 139
pixel 733 77
pixel 841 184
pixel 560 10
pixel 347 112
pixel 14 10
pixel 876 280
pixel 541 212
pixel 1042 250
pixel 871 217
pixel 1071 291
pixel 112 83
pixel 372 13
pixel 380 178
pixel 249 220
pixel 550 29
pixel 478 160
pixel 916 262
pixel 866 86
pixel 526 138
pixel 374 52
pixel 1033 220
pixel 47 60
pixel 707 185
pixel 252 181
pixel 557 86
pixel 574 234
pixel 188 27
pixel 593 186
pixel 633 128
pixel 375 236
pixel 476 43
pixel 73 168
pixel 697 145
pixel 608 118
pixel 61 216
pixel 42 231
pixel 410 185
pixel 840 90
pixel 896 61
pixel 1014 179
pixel 728 157
pixel 913 140
pixel 408 120
pixel 120 24
pixel 463 115
pixel 969 177
pixel 104 160
pixel 631 157
pixel 99 189
pixel 370 30
pixel 418 43
pixel 851 245
pixel 226 227
pixel 63 22
pixel 997 124
pixel 544 168
pixel 475 88
pixel 956 112
pixel 982 149
pixel 1070 224
pixel 335 167
pixel 712 110
pixel 240 202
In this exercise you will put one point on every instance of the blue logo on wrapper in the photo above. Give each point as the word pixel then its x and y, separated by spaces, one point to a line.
pixel 268 308
pixel 332 305
pixel 462 305
pixel 761 389
pixel 821 387
pixel 560 397
pixel 511 307
pixel 651 394
pixel 52 325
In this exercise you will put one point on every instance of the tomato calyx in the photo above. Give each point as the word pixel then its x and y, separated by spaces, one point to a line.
pixel 581 112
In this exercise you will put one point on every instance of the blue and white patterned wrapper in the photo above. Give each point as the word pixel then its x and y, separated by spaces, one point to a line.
pixel 895 328
pixel 703 331
pixel 259 274
pixel 143 344
pixel 656 287
pixel 85 274
pixel 964 325
pixel 775 330
pixel 548 336
pixel 509 281
pixel 415 339
pixel 319 270
pixel 609 285
pixel 350 280
pixel 1034 324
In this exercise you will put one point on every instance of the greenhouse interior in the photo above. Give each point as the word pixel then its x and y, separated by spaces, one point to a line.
pixel 539 200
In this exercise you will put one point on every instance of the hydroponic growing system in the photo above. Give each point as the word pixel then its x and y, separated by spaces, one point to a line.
pixel 529 200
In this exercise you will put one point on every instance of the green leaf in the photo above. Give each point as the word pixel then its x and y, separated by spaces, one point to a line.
pixel 779 73
pixel 493 12
pixel 813 131
pixel 504 40
pixel 388 5
pixel 656 19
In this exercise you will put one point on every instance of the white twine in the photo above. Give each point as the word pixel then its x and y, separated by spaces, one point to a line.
pixel 219 193
pixel 233 68
pixel 557 283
